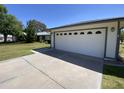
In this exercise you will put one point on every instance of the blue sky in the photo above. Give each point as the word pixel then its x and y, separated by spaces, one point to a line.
pixel 57 15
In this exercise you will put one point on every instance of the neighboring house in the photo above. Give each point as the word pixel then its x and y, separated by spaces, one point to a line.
pixel 43 36
pixel 9 38
pixel 98 38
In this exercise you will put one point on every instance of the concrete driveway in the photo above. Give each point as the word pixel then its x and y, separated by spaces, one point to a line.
pixel 51 69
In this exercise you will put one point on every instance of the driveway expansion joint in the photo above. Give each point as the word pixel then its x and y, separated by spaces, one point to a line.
pixel 7 79
pixel 43 72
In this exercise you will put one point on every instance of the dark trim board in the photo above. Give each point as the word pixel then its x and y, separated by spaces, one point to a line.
pixel 54 39
pixel 51 39
pixel 118 40
pixel 106 34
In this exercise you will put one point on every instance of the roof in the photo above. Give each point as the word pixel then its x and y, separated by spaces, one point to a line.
pixel 43 33
pixel 89 22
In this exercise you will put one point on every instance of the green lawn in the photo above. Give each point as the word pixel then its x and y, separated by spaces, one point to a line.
pixel 12 50
pixel 121 50
pixel 113 77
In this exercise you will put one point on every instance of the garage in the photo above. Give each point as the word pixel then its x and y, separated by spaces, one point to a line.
pixel 88 42
pixel 96 38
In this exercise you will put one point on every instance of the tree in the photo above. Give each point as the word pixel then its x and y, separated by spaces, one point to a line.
pixel 30 31
pixel 18 31
pixel 38 26
pixel 9 24
pixel 34 26
pixel 3 10
pixel 122 36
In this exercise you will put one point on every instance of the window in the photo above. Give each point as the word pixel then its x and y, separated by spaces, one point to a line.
pixel 75 33
pixel 61 34
pixel 70 33
pixel 1 38
pixel 57 34
pixel 89 32
pixel 81 33
pixel 65 33
pixel 98 32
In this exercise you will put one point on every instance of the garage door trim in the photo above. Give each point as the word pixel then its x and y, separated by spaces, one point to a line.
pixel 106 34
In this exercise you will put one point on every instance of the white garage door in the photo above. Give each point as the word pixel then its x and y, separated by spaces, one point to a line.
pixel 87 42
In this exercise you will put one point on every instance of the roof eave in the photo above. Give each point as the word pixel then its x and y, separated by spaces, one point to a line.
pixel 88 22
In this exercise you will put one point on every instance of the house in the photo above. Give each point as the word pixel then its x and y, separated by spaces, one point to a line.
pixel 9 38
pixel 96 38
pixel 43 36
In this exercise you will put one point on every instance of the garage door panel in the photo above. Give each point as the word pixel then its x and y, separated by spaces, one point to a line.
pixel 87 44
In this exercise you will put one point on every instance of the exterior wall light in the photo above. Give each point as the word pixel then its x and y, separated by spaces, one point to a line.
pixel 112 29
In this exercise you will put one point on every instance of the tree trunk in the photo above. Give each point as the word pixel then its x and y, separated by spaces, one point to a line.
pixel 5 38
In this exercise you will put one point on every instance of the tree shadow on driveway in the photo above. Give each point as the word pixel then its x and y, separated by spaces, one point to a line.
pixel 88 62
